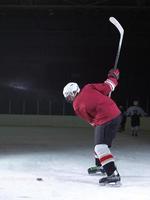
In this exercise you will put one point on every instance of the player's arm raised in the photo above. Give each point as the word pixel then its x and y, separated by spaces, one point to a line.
pixel 112 80
pixel 109 85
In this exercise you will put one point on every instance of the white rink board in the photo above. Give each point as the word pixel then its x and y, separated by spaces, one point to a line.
pixel 56 121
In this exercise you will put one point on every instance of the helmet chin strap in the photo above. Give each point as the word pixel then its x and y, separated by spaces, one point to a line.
pixel 75 93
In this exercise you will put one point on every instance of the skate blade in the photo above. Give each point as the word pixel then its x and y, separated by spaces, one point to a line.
pixel 97 174
pixel 112 184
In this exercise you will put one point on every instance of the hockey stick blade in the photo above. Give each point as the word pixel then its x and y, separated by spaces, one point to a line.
pixel 117 25
pixel 121 31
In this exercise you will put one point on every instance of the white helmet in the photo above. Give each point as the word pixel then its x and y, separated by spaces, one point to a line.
pixel 70 91
pixel 135 103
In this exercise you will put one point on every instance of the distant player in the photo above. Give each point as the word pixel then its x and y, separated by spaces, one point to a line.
pixel 93 105
pixel 135 112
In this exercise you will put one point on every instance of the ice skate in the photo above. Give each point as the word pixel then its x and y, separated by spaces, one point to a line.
pixel 111 180
pixel 96 170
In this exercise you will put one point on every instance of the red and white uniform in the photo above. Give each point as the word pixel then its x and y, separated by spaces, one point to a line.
pixel 93 105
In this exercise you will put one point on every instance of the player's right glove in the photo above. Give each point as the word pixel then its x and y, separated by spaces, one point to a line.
pixel 114 73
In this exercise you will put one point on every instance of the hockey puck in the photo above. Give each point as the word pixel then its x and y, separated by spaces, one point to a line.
pixel 39 179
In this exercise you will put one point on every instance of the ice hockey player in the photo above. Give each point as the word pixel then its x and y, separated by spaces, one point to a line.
pixel 93 104
pixel 135 112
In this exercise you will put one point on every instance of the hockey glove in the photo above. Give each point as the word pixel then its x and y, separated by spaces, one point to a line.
pixel 114 73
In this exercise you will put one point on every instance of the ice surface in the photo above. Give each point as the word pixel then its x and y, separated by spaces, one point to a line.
pixel 61 156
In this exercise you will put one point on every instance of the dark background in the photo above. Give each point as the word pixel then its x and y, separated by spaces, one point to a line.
pixel 46 44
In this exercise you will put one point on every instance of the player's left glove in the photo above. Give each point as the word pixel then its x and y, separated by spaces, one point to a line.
pixel 114 73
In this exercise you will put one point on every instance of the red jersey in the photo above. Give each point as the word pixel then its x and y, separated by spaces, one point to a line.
pixel 93 105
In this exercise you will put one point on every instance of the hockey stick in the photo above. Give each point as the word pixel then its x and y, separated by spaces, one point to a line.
pixel 121 32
